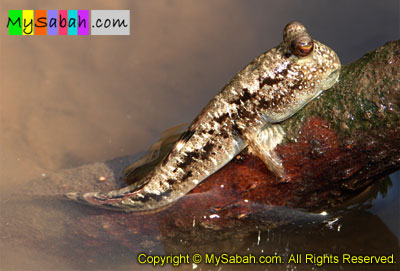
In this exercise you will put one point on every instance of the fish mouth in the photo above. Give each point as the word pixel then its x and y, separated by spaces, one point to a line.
pixel 331 79
pixel 333 76
pixel 329 82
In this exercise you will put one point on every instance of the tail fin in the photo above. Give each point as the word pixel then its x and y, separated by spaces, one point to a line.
pixel 113 200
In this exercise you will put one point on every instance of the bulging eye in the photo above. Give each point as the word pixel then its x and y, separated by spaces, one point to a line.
pixel 302 45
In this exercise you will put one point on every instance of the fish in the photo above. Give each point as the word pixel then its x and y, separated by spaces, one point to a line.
pixel 245 113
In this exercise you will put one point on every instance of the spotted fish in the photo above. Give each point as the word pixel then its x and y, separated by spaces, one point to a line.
pixel 246 113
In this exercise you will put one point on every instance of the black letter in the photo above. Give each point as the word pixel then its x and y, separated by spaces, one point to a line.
pixel 26 26
pixel 63 20
pixel 72 22
pixel 43 22
pixel 107 25
pixel 13 23
pixel 97 23
pixel 53 22
pixel 80 22
pixel 117 21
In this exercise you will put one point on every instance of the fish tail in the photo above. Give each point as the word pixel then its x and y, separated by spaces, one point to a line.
pixel 114 199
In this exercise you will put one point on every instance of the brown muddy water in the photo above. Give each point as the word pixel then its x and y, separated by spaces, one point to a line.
pixel 68 101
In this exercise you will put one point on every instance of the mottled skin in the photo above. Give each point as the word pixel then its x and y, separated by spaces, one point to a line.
pixel 273 87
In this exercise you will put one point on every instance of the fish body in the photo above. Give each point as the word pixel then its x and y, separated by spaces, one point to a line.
pixel 246 112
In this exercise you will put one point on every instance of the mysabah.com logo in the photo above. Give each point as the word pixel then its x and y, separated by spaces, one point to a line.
pixel 68 22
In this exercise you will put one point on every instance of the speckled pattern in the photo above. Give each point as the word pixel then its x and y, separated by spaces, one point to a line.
pixel 270 89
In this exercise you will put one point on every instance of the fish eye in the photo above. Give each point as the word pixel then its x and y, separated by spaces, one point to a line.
pixel 302 46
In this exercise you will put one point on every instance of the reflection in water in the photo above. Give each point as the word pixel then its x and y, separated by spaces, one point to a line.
pixel 67 101
pixel 335 238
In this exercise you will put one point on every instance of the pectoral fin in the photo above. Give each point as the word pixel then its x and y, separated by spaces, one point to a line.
pixel 263 145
